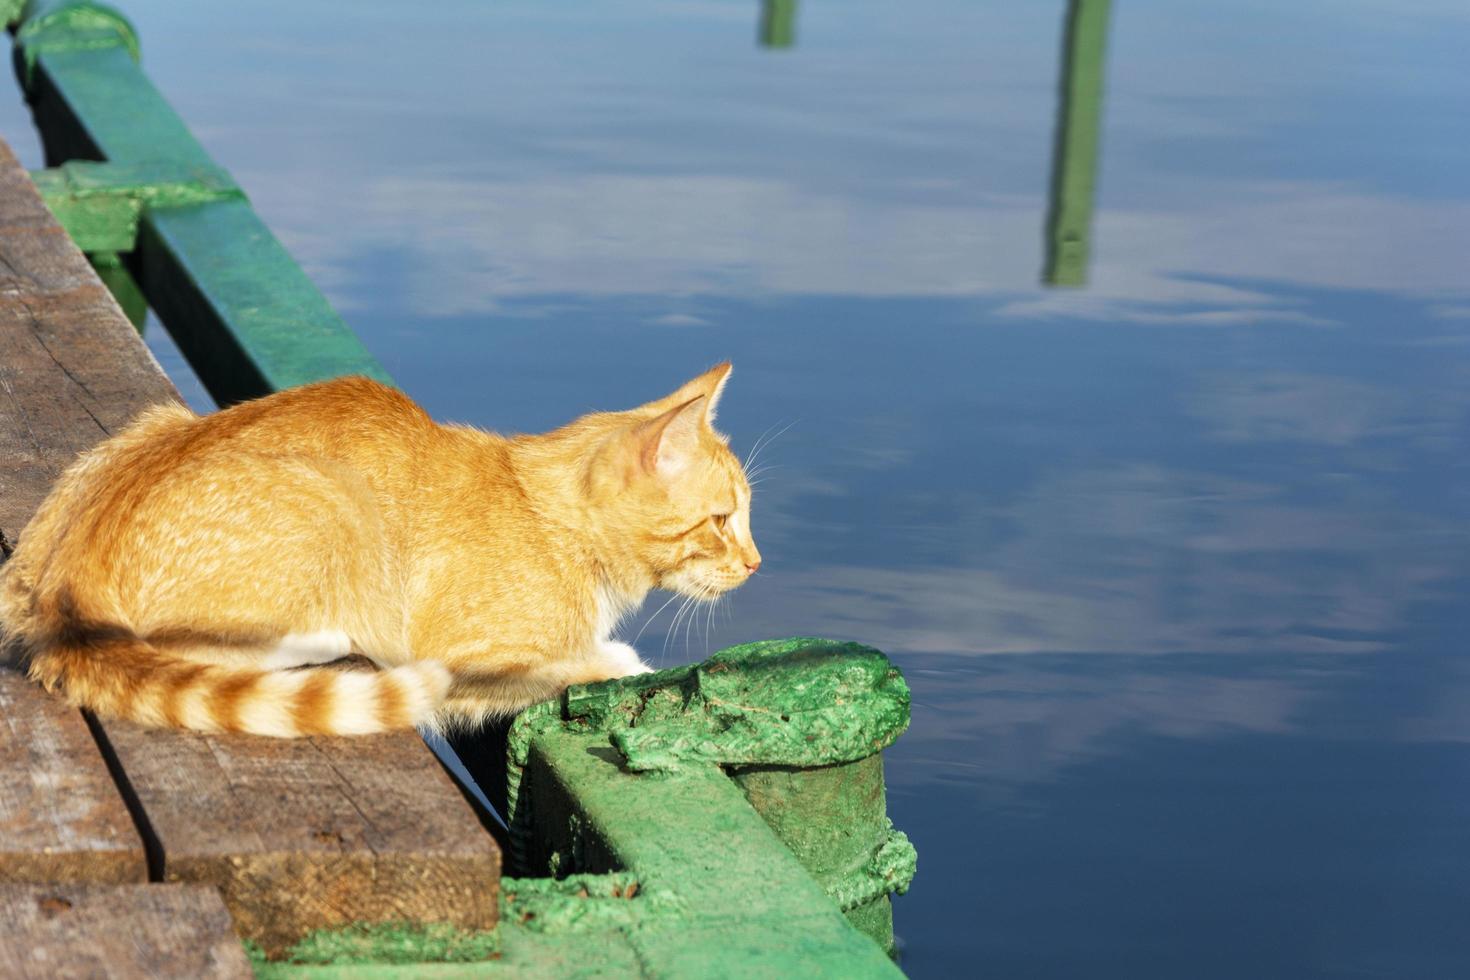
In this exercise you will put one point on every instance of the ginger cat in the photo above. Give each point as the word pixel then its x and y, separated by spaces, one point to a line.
pixel 179 571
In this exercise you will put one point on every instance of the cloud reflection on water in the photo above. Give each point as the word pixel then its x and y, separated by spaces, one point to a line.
pixel 469 246
pixel 1141 560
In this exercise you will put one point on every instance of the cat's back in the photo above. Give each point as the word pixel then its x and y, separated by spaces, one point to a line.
pixel 173 486
pixel 169 456
pixel 343 416
pixel 354 424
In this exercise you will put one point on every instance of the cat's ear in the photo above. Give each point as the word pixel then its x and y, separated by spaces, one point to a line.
pixel 713 381
pixel 709 385
pixel 668 443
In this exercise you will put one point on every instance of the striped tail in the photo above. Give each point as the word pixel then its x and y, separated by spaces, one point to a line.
pixel 126 677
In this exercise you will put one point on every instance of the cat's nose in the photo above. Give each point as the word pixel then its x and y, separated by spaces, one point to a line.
pixel 753 567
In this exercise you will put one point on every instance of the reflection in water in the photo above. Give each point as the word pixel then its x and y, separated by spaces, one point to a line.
pixel 1074 155
pixel 778 23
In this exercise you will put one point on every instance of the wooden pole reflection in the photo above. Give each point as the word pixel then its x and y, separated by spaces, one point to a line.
pixel 1074 154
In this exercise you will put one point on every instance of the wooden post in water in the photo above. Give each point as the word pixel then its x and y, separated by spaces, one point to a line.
pixel 1074 155
pixel 778 23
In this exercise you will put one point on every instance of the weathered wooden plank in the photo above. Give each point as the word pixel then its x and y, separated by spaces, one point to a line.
pixel 72 369
pixel 310 833
pixel 61 818
pixel 297 835
pixel 58 932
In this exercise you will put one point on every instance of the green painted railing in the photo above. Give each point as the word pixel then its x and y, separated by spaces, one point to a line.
pixel 129 178
pixel 722 819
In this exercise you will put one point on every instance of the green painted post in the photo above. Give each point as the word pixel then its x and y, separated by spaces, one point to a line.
pixel 719 894
pixel 124 288
pixel 1074 155
pixel 835 820
pixel 778 23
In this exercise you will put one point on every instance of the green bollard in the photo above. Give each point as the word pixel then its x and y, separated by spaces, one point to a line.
pixel 834 819
pixel 796 725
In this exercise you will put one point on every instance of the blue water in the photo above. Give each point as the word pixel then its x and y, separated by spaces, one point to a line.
pixel 1174 563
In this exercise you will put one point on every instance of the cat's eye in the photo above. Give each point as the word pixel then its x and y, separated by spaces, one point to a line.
pixel 719 520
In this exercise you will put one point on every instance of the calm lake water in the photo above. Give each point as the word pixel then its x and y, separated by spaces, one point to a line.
pixel 1175 562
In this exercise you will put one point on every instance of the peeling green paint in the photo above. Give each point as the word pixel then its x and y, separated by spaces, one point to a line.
pixel 392 942
pixel 523 954
pixel 797 702
pixel 580 902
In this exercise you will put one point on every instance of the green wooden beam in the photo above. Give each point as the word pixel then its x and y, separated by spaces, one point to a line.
pixel 243 312
pixel 101 204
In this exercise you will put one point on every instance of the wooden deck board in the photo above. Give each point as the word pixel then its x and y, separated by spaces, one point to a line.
pixel 310 833
pixel 117 931
pixel 72 369
pixel 297 835
pixel 61 817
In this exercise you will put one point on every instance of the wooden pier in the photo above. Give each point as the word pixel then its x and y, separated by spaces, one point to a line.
pixel 127 851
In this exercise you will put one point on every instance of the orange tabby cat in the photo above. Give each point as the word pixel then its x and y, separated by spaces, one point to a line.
pixel 178 571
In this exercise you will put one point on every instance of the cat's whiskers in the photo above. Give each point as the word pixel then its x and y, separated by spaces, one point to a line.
pixel 757 476
pixel 649 621
pixel 684 607
pixel 709 620
pixel 673 624
pixel 688 613
pixel 755 451
pixel 749 456
pixel 712 605
pixel 690 619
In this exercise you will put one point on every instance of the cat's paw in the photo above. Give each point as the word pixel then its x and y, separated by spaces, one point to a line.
pixel 622 660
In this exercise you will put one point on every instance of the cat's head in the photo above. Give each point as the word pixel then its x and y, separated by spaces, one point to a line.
pixel 678 492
